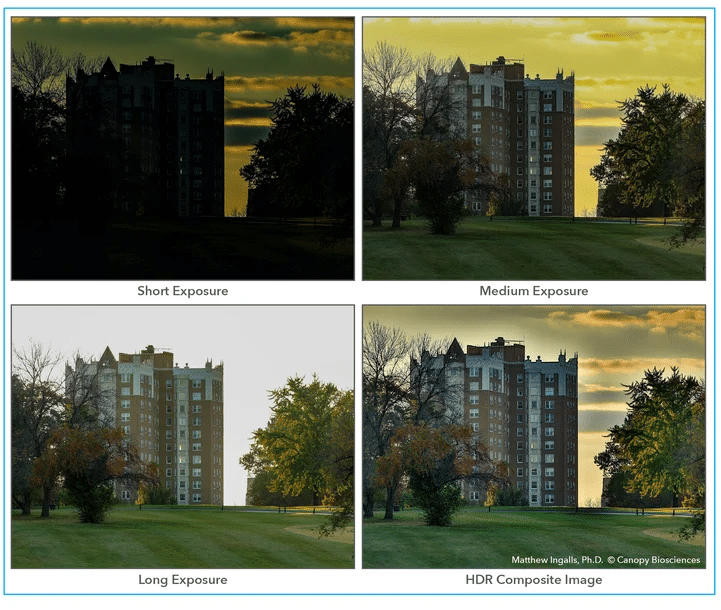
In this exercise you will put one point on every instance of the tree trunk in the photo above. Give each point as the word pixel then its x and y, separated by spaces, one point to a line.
pixel 47 490
pixel 368 498
pixel 396 215
pixel 390 493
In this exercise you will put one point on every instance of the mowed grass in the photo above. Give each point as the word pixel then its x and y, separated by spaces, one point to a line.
pixel 479 539
pixel 173 538
pixel 529 249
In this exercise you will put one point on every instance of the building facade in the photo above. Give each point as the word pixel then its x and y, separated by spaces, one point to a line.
pixel 151 142
pixel 172 414
pixel 525 412
pixel 523 125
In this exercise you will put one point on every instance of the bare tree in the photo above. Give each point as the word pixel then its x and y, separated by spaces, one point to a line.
pixel 45 400
pixel 404 98
pixel 40 70
pixel 405 381
pixel 385 381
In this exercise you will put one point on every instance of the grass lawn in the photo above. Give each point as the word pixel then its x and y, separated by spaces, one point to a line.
pixel 479 539
pixel 206 249
pixel 518 249
pixel 176 538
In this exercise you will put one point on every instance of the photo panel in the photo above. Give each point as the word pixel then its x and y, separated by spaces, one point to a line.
pixel 566 438
pixel 225 444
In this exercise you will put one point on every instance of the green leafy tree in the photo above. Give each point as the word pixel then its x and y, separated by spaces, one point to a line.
pixel 658 158
pixel 308 443
pixel 305 165
pixel 661 445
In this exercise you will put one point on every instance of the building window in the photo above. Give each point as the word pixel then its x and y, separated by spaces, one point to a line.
pixel 125 495
pixel 549 499
pixel 473 413
pixel 196 408
pixel 196 472
pixel 549 404
pixel 124 417
pixel 549 445
pixel 476 101
pixel 549 458
pixel 547 107
pixel 196 395
pixel 549 391
pixel 549 418
pixel 196 383
pixel 124 404
pixel 519 431
pixel 196 485
pixel 473 372
pixel 550 431
pixel 475 427
pixel 196 446
pixel 473 399
pixel 196 459
pixel 548 119
pixel 548 145
pixel 196 421
pixel 196 497
pixel 519 458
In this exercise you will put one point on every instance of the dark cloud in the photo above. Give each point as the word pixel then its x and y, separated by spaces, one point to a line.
pixel 234 112
pixel 244 135
pixel 598 420
pixel 592 135
pixel 597 112
pixel 602 396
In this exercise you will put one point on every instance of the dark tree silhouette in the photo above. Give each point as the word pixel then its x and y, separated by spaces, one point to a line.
pixel 305 165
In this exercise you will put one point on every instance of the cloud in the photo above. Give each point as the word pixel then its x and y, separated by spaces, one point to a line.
pixel 319 23
pixel 282 82
pixel 632 366
pixel 687 322
pixel 337 43
pixel 243 135
pixel 181 22
pixel 617 36
pixel 593 135
pixel 599 420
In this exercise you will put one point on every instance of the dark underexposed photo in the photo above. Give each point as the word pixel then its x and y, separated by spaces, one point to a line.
pixel 182 148
pixel 534 437
pixel 534 148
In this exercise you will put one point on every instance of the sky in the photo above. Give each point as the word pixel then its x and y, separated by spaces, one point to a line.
pixel 611 58
pixel 259 346
pixel 260 57
pixel 615 345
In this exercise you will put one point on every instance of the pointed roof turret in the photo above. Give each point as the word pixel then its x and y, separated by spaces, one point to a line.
pixel 107 359
pixel 458 70
pixel 108 70
pixel 455 351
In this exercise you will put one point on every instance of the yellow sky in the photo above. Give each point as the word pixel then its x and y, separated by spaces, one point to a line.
pixel 611 58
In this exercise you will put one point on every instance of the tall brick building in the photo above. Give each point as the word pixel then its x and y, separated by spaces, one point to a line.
pixel 147 141
pixel 172 414
pixel 524 411
pixel 524 125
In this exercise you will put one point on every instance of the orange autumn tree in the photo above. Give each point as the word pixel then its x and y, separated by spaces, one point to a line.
pixel 434 460
pixel 89 462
